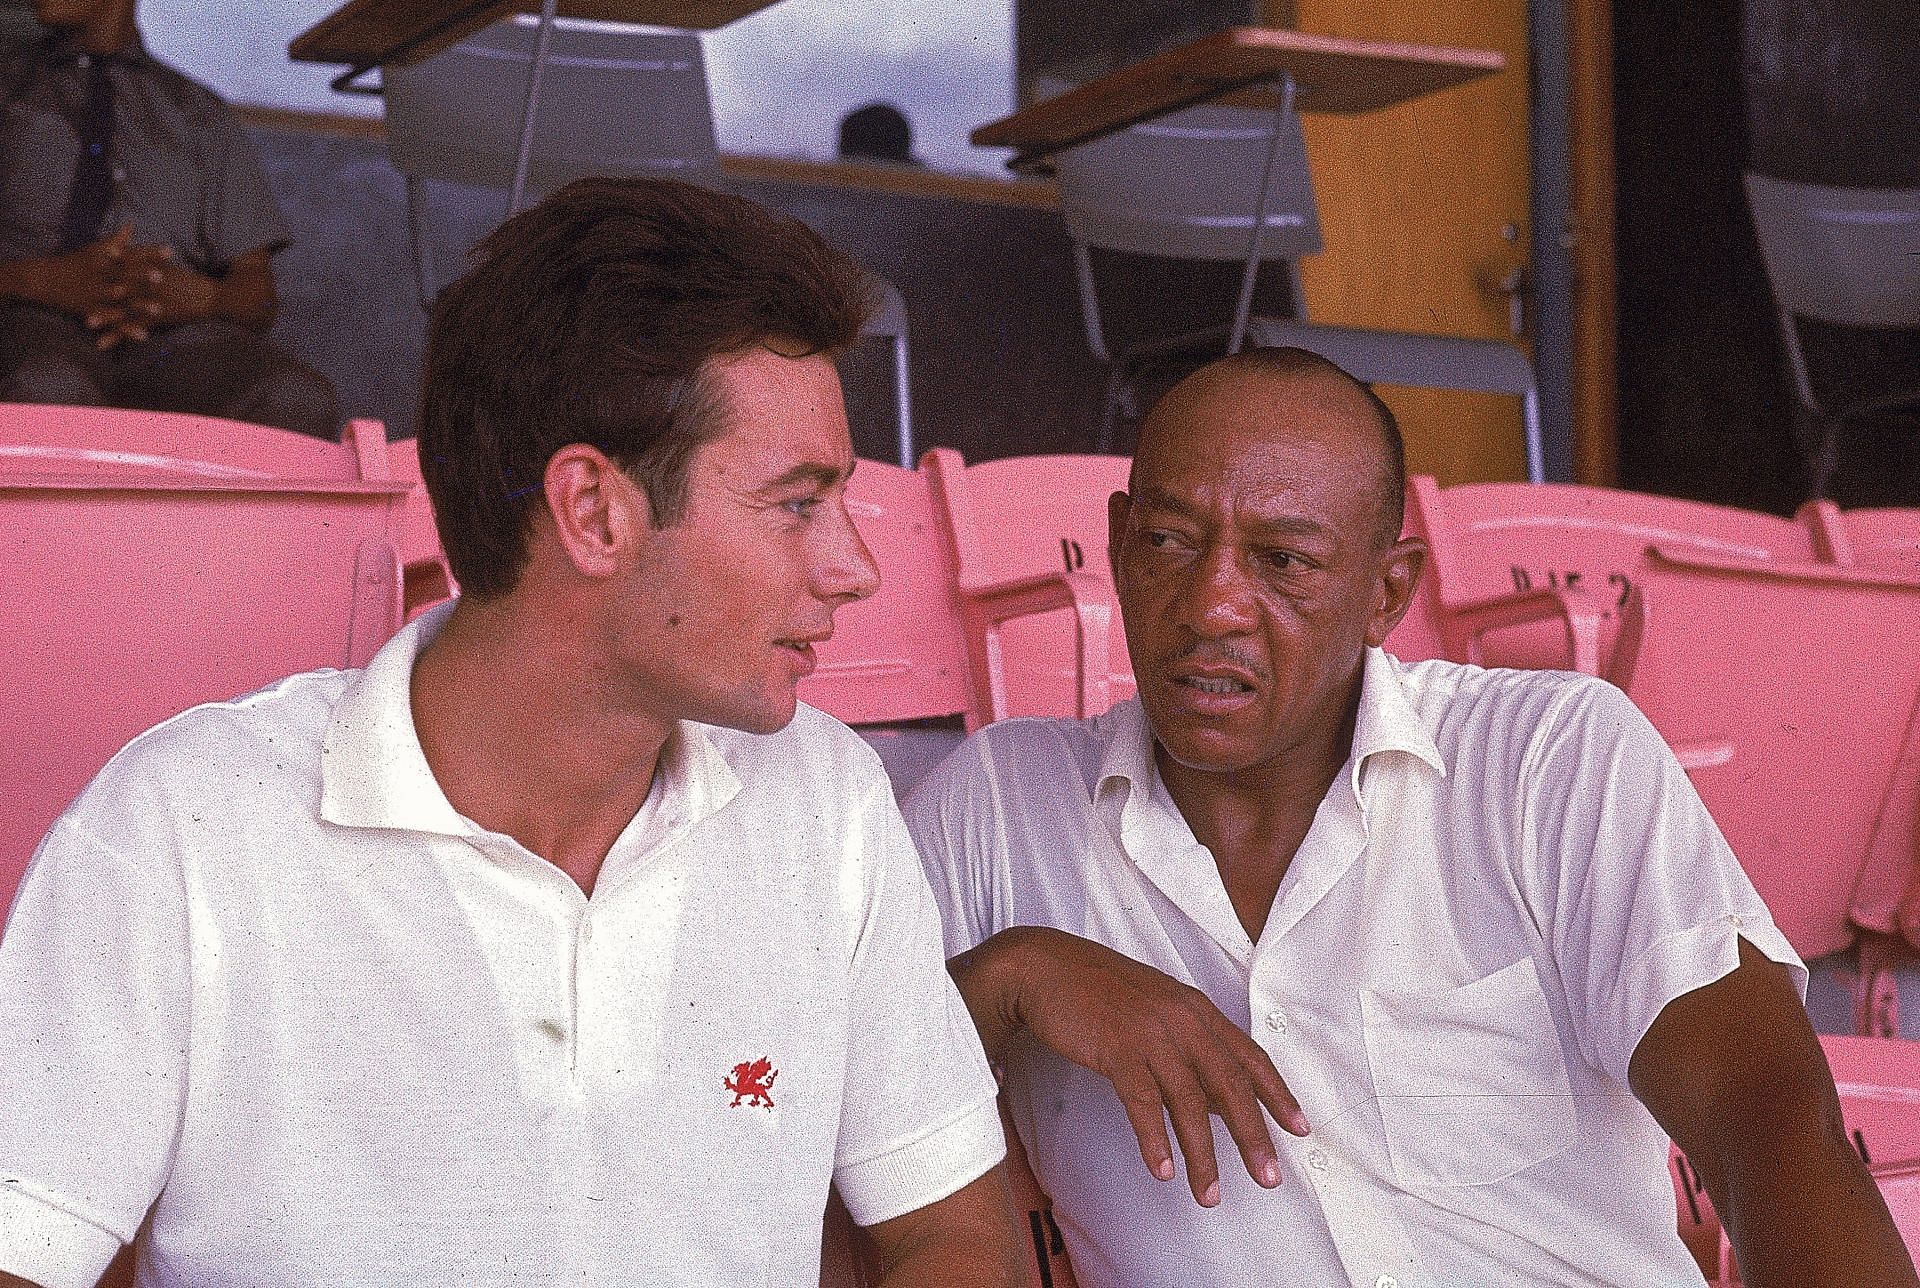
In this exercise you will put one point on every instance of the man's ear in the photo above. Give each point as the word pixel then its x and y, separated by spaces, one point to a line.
pixel 1397 579
pixel 1118 507
pixel 600 516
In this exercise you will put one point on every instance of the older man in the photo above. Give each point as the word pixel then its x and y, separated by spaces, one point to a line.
pixel 137 235
pixel 1476 921
pixel 558 946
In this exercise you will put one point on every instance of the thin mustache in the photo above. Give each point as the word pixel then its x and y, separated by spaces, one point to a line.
pixel 1214 653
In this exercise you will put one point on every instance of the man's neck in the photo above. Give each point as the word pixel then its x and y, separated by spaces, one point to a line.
pixel 1253 820
pixel 113 32
pixel 519 744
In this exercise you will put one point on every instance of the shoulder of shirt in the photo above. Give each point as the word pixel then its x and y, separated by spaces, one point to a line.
pixel 272 733
pixel 1514 715
pixel 1023 748
pixel 1435 686
pixel 188 94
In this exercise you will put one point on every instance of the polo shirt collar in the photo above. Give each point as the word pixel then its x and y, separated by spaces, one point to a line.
pixel 374 772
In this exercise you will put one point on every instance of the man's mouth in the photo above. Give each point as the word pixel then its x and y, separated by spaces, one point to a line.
pixel 1212 684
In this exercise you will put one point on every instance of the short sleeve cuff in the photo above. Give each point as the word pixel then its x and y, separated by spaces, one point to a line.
pixel 1684 961
pixel 43 1242
pixel 924 1170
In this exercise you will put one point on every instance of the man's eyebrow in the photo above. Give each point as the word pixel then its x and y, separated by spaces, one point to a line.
pixel 815 472
pixel 1289 525
pixel 1279 524
pixel 1161 499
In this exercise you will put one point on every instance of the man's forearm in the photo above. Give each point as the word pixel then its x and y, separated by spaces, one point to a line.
pixel 246 294
pixel 988 977
pixel 20 280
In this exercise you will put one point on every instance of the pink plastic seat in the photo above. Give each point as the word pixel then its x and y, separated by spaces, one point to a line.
pixel 900 654
pixel 1029 537
pixel 1793 684
pixel 157 561
pixel 1577 551
pixel 1887 540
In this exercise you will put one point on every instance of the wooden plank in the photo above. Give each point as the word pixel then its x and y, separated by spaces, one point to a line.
pixel 372 33
pixel 1596 411
pixel 1424 209
pixel 1238 66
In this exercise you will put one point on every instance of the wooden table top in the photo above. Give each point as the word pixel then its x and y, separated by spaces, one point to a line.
pixel 372 33
pixel 1238 66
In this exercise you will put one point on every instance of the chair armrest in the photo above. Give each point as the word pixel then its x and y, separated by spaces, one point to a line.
pixel 1579 609
pixel 425 582
pixel 988 607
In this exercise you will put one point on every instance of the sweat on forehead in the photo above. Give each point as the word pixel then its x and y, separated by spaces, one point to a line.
pixel 1286 394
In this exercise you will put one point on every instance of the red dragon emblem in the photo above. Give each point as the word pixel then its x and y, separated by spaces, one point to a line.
pixel 751 1083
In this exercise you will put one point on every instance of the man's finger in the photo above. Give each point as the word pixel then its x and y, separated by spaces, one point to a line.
pixel 1268 1085
pixel 1192 1119
pixel 1234 1100
pixel 1140 1097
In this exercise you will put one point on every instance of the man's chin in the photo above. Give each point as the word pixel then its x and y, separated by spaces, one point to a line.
pixel 769 716
pixel 1204 749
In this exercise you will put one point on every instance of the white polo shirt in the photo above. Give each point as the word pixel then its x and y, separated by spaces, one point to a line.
pixel 263 978
pixel 1507 882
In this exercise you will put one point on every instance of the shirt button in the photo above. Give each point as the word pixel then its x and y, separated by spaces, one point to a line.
pixel 553 1030
pixel 1386 1281
pixel 83 62
pixel 119 174
pixel 1737 920
pixel 1317 1159
pixel 1276 1021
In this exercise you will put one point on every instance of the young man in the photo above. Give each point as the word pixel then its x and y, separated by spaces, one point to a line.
pixel 558 946
pixel 137 235
pixel 1477 922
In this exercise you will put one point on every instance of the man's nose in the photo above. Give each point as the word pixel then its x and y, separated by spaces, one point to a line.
pixel 1215 599
pixel 847 570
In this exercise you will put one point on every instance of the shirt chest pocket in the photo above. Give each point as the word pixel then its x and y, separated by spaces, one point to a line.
pixel 1471 1081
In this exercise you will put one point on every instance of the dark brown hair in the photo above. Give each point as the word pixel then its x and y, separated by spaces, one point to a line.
pixel 590 319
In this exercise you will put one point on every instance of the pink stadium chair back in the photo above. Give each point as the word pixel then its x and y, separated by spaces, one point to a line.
pixel 104 441
pixel 1788 690
pixel 154 562
pixel 1887 540
pixel 900 654
pixel 1495 541
pixel 427 578
pixel 1029 536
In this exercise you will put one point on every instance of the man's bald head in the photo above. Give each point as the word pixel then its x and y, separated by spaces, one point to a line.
pixel 1318 387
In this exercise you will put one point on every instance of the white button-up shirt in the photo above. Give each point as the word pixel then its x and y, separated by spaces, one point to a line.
pixel 265 978
pixel 1508 880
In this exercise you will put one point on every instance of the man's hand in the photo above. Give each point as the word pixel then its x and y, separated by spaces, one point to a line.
pixel 1734 1074
pixel 80 282
pixel 157 291
pixel 1167 1050
pixel 966 1240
